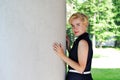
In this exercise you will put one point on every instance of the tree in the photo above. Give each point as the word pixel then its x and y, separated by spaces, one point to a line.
pixel 116 11
pixel 100 12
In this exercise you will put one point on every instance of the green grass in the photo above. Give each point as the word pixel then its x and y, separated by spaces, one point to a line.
pixel 117 48
pixel 97 56
pixel 106 74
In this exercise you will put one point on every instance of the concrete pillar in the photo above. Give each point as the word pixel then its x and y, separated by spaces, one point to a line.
pixel 28 29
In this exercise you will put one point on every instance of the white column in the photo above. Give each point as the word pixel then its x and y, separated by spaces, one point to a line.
pixel 28 29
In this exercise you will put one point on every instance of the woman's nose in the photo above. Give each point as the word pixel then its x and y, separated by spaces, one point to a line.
pixel 75 28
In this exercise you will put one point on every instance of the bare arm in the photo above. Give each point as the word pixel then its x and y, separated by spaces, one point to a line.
pixel 82 56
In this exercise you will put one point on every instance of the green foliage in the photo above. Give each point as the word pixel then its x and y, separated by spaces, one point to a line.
pixel 70 34
pixel 116 11
pixel 104 21
pixel 97 56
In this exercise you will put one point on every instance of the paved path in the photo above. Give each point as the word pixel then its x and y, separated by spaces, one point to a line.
pixel 110 58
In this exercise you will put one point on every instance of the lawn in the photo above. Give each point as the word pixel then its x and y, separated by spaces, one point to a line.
pixel 106 74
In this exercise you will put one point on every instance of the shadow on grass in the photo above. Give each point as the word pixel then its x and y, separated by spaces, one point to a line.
pixel 106 74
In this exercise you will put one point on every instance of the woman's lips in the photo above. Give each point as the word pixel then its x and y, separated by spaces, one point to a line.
pixel 76 32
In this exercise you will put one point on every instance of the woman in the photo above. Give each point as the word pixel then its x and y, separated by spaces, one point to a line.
pixel 80 56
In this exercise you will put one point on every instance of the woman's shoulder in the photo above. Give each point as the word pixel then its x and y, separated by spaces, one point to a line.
pixel 83 42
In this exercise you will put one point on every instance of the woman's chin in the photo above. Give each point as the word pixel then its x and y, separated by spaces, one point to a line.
pixel 76 35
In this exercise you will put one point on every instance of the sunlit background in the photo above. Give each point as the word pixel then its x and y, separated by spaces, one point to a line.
pixel 104 30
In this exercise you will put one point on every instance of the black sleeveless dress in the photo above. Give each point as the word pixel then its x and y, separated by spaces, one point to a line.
pixel 73 55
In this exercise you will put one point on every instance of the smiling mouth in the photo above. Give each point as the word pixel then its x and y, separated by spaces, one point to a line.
pixel 76 32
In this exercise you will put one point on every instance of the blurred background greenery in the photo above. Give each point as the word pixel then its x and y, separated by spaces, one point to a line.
pixel 104 30
pixel 104 20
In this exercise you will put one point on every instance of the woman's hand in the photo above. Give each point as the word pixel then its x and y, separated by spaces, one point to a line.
pixel 58 49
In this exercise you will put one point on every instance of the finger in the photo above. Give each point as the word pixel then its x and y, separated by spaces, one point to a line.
pixel 55 44
pixel 60 45
pixel 55 49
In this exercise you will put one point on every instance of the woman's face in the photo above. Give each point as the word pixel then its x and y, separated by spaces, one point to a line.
pixel 78 27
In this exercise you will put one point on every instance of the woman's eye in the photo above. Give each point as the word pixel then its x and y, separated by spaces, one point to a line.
pixel 72 26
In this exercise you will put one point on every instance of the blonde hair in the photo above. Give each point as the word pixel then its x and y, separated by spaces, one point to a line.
pixel 81 16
